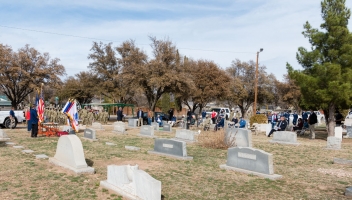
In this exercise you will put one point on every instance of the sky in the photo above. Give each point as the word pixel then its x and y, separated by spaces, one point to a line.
pixel 217 30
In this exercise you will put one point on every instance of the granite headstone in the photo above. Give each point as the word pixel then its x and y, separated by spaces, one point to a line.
pixel 169 147
pixel 89 134
pixel 147 130
pixel 132 122
pixel 285 137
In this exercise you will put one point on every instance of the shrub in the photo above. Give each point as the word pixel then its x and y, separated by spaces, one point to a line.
pixel 215 140
pixel 260 119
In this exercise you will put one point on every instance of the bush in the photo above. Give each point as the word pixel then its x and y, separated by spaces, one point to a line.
pixel 215 140
pixel 260 119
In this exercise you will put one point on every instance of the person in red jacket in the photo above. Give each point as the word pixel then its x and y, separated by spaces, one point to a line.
pixel 28 118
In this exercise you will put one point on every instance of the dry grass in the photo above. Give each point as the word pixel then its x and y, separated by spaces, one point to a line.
pixel 307 169
pixel 216 140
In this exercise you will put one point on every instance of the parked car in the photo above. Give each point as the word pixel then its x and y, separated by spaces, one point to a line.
pixel 5 118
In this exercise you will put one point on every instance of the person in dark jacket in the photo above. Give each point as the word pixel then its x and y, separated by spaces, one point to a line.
pixel 119 114
pixel 281 126
pixel 34 121
pixel 312 120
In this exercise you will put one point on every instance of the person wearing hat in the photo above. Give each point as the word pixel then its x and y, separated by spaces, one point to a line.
pixel 34 121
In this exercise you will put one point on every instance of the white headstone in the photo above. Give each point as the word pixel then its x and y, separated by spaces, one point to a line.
pixel 186 135
pixel 132 122
pixel 97 125
pixel 18 147
pixel 70 155
pixel 268 128
pixel 110 144
pixel 3 136
pixel 119 128
pixel 147 130
pixel 338 132
pixel 132 148
pixel 155 125
pixel 131 182
pixel 348 122
pixel 285 137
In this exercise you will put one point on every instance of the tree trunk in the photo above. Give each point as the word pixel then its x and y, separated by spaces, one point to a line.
pixel 331 120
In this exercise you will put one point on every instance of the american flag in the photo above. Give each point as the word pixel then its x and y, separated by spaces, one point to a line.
pixel 40 108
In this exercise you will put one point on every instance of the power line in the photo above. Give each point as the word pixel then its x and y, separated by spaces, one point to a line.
pixel 90 38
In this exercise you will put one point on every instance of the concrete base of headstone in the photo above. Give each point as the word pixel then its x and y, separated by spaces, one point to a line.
pixel 69 154
pixel 333 143
pixel 285 137
pixel 132 148
pixel 269 176
pixel 348 191
pixel 172 156
pixel 41 156
pixel 27 151
pixel 342 161
pixel 131 183
pixel 18 147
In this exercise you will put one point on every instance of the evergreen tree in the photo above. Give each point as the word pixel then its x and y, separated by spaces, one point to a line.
pixel 326 78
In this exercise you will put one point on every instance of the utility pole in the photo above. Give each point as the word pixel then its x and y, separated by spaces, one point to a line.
pixel 256 84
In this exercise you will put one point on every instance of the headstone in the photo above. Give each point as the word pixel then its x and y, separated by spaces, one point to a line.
pixel 167 127
pixel 132 148
pixel 69 154
pixel 119 128
pixel 90 134
pixel 250 161
pixel 27 151
pixel 333 142
pixel 68 129
pixel 132 183
pixel 3 136
pixel 348 122
pixel 239 137
pixel 164 122
pixel 348 191
pixel 349 131
pixel 109 143
pixel 155 125
pixel 41 156
pixel 285 137
pixel 147 131
pixel 185 135
pixel 268 128
pixel 10 143
pixel 18 147
pixel 97 126
pixel 132 122
pixel 338 132
pixel 172 148
pixel 342 161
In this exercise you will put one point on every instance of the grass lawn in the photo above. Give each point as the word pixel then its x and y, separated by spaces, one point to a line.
pixel 308 171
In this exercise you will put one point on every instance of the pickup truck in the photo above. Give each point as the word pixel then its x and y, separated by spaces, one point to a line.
pixel 5 118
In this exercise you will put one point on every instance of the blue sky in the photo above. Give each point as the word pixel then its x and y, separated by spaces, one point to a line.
pixel 232 30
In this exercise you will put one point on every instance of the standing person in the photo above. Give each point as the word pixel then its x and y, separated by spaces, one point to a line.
pixel 273 120
pixel 171 113
pixel 204 114
pixel 119 114
pixel 12 118
pixel 280 127
pixel 304 115
pixel 213 116
pixel 189 115
pixel 28 119
pixel 232 114
pixel 34 121
pixel 338 119
pixel 295 117
pixel 140 117
pixel 150 117
pixel 269 118
pixel 312 120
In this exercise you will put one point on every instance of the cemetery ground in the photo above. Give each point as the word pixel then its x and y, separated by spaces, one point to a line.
pixel 308 170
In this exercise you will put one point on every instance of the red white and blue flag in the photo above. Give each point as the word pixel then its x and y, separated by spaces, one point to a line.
pixel 70 110
pixel 40 107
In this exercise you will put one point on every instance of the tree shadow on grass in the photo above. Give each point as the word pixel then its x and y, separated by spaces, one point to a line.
pixel 2 144
pixel 89 162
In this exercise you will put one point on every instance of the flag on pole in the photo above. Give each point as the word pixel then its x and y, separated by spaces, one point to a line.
pixel 70 110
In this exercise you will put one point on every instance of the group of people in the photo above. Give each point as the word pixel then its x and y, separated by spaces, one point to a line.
pixel 89 115
pixel 280 122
